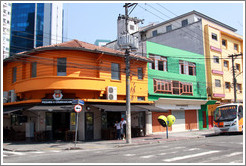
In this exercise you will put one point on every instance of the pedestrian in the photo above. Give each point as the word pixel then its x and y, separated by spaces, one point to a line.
pixel 123 128
pixel 117 125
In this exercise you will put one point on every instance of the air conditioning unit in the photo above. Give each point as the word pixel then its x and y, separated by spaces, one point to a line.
pixel 5 96
pixel 12 96
pixel 111 93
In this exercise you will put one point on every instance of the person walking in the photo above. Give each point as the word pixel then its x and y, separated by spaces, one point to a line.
pixel 123 128
pixel 117 126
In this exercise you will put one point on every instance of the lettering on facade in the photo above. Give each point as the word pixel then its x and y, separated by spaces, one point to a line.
pixel 47 101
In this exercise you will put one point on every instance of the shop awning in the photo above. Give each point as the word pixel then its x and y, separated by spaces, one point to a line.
pixel 11 109
pixel 121 108
pixel 51 108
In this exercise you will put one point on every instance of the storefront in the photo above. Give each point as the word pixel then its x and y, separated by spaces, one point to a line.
pixel 50 120
pixel 186 112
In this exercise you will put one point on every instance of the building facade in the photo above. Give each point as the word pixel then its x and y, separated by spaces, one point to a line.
pixel 198 33
pixel 34 25
pixel 6 16
pixel 177 83
pixel 40 88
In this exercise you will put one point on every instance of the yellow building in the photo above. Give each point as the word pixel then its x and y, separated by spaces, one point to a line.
pixel 219 43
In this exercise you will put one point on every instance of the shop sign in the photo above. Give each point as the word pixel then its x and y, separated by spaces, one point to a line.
pixel 49 101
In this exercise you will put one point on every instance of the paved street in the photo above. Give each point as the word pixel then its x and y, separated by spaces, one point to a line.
pixel 215 149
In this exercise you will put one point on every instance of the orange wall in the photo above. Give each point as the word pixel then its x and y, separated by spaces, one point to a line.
pixel 83 77
pixel 156 127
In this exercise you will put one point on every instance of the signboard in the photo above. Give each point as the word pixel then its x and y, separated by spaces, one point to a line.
pixel 81 102
pixel 78 108
pixel 48 101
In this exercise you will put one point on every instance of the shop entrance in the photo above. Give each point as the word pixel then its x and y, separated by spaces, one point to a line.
pixel 57 123
pixel 89 126
pixel 60 124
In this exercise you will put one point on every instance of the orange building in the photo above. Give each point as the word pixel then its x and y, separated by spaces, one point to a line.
pixel 41 85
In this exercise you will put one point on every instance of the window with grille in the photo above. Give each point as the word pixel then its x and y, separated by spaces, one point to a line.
pixel 173 87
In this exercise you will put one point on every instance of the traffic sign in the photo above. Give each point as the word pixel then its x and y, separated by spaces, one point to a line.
pixel 77 108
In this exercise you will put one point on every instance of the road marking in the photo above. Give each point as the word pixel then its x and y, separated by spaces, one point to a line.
pixel 233 154
pixel 4 155
pixel 56 151
pixel 16 153
pixel 162 154
pixel 179 147
pixel 37 152
pixel 128 155
pixel 189 156
pixel 146 157
pixel 174 152
pixel 193 149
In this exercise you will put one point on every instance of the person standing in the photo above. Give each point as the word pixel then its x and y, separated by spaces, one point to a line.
pixel 117 126
pixel 123 128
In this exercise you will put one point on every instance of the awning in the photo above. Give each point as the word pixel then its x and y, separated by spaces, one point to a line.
pixel 52 108
pixel 179 104
pixel 122 108
pixel 11 109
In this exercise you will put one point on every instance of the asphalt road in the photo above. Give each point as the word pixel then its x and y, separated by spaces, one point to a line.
pixel 216 149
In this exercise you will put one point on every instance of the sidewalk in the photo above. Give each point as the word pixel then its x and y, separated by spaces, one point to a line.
pixel 103 144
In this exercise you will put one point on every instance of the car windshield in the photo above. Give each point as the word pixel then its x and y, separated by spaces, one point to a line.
pixel 225 113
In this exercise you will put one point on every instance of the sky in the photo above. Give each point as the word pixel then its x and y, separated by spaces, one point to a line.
pixel 91 21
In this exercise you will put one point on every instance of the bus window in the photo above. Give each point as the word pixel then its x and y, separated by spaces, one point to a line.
pixel 240 112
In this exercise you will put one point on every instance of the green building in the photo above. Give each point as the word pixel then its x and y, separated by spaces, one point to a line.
pixel 177 83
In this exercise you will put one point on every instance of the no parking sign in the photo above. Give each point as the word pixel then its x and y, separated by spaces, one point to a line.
pixel 77 108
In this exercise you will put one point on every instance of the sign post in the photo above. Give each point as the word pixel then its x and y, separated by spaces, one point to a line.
pixel 77 109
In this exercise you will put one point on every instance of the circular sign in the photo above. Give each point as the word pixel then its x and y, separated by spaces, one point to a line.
pixel 77 108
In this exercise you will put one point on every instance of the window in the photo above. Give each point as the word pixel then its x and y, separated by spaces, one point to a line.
pixel 115 71
pixel 228 85
pixel 184 22
pixel 141 98
pixel 240 112
pixel 214 36
pixel 14 69
pixel 160 63
pixel 140 73
pixel 226 64
pixel 132 27
pixel 238 67
pixel 154 33
pixel 236 47
pixel 224 42
pixel 172 87
pixel 217 83
pixel 216 59
pixel 34 69
pixel 168 28
pixel 188 68
pixel 239 88
pixel 61 66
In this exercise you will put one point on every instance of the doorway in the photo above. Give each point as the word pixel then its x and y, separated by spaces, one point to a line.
pixel 89 126
pixel 60 124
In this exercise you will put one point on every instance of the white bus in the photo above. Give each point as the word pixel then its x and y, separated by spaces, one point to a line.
pixel 228 118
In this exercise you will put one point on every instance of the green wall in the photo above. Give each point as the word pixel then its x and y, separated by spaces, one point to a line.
pixel 173 56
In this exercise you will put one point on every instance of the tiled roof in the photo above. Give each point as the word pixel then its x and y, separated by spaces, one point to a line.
pixel 87 46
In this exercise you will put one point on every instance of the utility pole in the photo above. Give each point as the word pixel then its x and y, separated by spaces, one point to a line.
pixel 234 77
pixel 127 42
pixel 128 104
